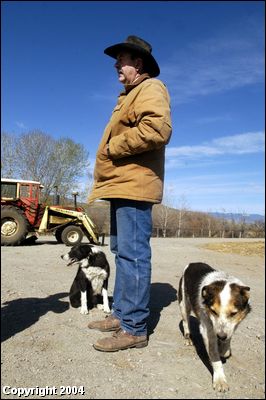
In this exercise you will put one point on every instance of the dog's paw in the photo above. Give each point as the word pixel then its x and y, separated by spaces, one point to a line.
pixel 219 383
pixel 100 306
pixel 84 311
pixel 188 341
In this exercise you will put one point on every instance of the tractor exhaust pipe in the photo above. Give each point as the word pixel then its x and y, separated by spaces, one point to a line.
pixel 75 194
pixel 56 197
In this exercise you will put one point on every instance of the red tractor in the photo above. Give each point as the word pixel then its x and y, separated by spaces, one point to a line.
pixel 22 213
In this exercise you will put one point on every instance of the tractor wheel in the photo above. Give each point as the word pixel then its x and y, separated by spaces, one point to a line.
pixel 14 226
pixel 58 235
pixel 72 235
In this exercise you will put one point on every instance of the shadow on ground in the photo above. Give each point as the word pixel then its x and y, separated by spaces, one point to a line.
pixel 198 342
pixel 18 315
pixel 161 296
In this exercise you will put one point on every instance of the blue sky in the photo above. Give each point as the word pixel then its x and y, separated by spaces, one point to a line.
pixel 56 78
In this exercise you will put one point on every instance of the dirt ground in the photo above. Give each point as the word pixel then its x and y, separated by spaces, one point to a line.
pixel 47 348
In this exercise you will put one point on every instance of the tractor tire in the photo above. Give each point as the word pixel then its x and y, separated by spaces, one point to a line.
pixel 72 235
pixel 14 226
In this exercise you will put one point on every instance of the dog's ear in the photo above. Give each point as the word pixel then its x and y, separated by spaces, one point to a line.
pixel 205 291
pixel 210 292
pixel 245 291
pixel 207 294
pixel 242 290
pixel 241 294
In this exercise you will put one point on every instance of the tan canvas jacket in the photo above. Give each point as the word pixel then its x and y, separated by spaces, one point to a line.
pixel 139 129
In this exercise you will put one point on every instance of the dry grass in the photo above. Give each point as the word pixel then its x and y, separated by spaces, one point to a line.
pixel 243 248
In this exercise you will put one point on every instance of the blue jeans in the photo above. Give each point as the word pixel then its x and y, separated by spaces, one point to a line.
pixel 131 228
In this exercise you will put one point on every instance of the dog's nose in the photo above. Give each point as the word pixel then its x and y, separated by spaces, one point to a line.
pixel 62 256
pixel 222 336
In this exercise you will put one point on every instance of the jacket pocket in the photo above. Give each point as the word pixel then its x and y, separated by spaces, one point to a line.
pixel 106 137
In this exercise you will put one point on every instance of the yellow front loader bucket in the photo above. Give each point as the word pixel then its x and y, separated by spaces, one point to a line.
pixel 62 216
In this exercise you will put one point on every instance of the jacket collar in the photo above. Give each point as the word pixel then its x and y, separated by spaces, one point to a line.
pixel 131 86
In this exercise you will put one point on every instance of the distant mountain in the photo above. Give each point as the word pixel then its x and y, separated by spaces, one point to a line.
pixel 237 217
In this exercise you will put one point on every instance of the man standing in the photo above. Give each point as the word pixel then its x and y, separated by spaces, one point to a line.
pixel 129 172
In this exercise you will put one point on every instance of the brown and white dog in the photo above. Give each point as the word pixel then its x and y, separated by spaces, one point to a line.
pixel 220 302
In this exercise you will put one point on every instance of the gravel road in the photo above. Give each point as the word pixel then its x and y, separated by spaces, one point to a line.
pixel 47 348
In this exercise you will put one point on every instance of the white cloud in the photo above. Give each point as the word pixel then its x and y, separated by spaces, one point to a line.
pixel 251 142
pixel 211 186
pixel 245 143
pixel 192 151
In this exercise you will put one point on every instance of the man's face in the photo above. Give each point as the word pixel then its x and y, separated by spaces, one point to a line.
pixel 126 68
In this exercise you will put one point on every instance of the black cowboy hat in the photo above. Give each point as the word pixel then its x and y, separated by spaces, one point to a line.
pixel 138 46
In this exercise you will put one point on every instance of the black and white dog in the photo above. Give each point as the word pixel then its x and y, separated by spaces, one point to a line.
pixel 220 302
pixel 91 279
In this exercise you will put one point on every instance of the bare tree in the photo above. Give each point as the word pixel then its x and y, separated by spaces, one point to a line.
pixel 52 162
pixel 242 224
pixel 183 210
pixel 8 155
pixel 35 153
pixel 257 229
pixel 70 162
pixel 161 218
pixel 209 225
pixel 223 224
pixel 233 225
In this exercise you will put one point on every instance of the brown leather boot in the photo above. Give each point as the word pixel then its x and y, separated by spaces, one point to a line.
pixel 109 324
pixel 120 340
